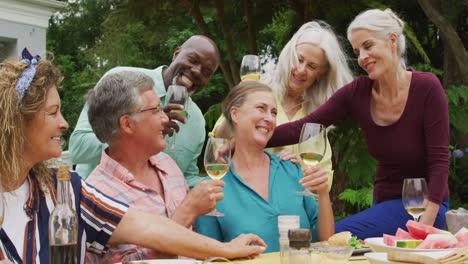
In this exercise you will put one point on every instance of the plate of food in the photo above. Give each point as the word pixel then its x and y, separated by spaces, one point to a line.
pixel 346 239
pixel 163 261
pixel 419 237
pixel 381 257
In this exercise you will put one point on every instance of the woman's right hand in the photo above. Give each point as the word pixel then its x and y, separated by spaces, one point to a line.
pixel 288 155
pixel 5 261
pixel 315 179
pixel 219 155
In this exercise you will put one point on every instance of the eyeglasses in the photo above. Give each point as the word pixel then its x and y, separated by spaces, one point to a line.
pixel 155 110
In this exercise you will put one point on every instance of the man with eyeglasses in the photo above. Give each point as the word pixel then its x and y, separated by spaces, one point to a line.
pixel 126 113
pixel 192 66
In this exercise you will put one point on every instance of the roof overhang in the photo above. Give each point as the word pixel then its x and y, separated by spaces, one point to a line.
pixel 30 12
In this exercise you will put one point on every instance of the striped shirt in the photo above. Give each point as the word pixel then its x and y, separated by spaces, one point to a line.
pixel 98 216
pixel 116 181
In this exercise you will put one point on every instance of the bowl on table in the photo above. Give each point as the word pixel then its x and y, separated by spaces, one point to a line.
pixel 330 254
pixel 377 245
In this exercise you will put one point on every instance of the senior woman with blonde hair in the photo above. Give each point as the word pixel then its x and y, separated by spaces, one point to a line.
pixel 311 68
pixel 260 186
pixel 31 127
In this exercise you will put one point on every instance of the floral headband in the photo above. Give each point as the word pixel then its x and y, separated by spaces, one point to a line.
pixel 25 79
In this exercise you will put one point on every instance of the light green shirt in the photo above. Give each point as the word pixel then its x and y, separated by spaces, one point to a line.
pixel 85 149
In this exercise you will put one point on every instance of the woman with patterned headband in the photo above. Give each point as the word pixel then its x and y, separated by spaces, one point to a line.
pixel 31 127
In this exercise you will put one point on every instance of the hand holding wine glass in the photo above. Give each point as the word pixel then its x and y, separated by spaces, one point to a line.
pixel 250 68
pixel 415 196
pixel 311 149
pixel 216 161
pixel 177 94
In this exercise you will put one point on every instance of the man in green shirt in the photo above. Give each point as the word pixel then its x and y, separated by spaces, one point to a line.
pixel 192 65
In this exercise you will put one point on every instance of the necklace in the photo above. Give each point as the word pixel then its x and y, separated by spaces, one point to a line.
pixel 261 165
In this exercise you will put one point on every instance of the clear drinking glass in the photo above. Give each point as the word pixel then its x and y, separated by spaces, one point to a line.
pixel 216 161
pixel 313 136
pixel 177 94
pixel 250 68
pixel 415 196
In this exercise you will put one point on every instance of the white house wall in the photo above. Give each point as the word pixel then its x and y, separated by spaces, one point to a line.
pixel 23 23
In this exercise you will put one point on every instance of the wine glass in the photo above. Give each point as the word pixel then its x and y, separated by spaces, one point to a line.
pixel 250 68
pixel 311 148
pixel 415 196
pixel 177 94
pixel 216 162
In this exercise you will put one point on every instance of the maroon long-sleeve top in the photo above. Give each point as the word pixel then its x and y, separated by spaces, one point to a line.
pixel 415 146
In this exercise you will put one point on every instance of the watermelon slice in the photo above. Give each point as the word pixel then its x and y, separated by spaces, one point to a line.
pixel 389 240
pixel 408 243
pixel 402 234
pixel 393 241
pixel 462 237
pixel 438 241
pixel 421 231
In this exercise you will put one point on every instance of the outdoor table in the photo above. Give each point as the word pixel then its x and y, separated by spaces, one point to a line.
pixel 274 258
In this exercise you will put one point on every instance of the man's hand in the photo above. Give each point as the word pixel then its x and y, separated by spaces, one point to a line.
pixel 5 261
pixel 315 179
pixel 199 201
pixel 172 126
pixel 245 244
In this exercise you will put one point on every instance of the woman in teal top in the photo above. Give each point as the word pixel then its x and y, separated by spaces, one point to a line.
pixel 260 186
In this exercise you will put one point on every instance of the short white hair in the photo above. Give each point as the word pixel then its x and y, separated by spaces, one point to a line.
pixel 382 23
pixel 337 75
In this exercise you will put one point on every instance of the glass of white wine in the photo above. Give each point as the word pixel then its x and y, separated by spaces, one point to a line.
pixel 312 147
pixel 250 68
pixel 415 196
pixel 177 94
pixel 216 161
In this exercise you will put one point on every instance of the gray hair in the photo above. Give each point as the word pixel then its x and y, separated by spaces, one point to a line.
pixel 337 75
pixel 382 23
pixel 115 95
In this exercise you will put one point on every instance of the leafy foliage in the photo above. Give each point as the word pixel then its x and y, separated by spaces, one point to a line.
pixel 91 36
pixel 212 115
pixel 359 199
pixel 351 155
pixel 458 182
pixel 458 107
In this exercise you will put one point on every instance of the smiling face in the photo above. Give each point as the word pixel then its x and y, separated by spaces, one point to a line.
pixel 376 55
pixel 255 120
pixel 311 66
pixel 149 124
pixel 44 131
pixel 193 64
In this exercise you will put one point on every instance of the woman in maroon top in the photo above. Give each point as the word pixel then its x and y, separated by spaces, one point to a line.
pixel 404 117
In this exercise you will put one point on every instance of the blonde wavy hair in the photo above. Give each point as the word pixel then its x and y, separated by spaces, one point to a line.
pixel 336 76
pixel 16 113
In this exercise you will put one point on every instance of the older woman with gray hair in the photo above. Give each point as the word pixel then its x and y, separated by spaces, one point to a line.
pixel 311 67
pixel 404 117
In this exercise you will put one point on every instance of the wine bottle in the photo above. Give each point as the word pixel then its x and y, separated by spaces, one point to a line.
pixel 63 222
